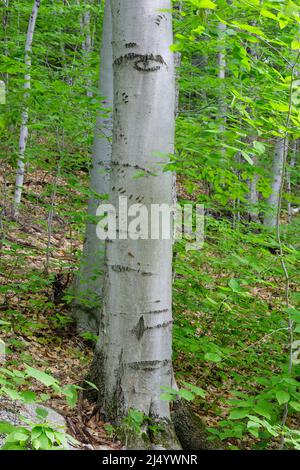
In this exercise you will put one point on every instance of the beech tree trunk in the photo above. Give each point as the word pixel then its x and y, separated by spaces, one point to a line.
pixel 270 218
pixel 24 126
pixel 222 74
pixel 87 304
pixel 133 358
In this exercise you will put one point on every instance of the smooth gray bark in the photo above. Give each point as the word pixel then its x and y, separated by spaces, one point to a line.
pixel 133 357
pixel 222 74
pixel 280 150
pixel 87 304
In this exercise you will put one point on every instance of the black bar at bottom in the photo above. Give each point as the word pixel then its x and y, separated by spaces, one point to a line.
pixel 149 459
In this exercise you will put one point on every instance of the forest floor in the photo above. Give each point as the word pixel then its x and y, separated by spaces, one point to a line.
pixel 230 331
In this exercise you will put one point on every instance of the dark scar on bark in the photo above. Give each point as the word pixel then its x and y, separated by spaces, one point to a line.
pixel 130 44
pixel 139 329
pixel 149 365
pixel 142 62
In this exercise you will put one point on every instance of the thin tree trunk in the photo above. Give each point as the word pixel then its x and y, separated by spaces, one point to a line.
pixel 133 357
pixel 5 19
pixel 252 184
pixel 51 213
pixel 87 304
pixel 277 175
pixel 85 24
pixel 222 74
pixel 289 179
pixel 25 112
pixel 253 195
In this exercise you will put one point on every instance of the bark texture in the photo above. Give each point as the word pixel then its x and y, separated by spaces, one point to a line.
pixel 190 429
pixel 134 353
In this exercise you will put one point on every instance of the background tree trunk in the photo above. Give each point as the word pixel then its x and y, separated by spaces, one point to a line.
pixel 24 126
pixel 222 74
pixel 289 178
pixel 87 47
pixel 253 195
pixel 277 175
pixel 88 285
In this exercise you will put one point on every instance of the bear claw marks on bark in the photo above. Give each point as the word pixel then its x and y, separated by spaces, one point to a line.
pixel 123 269
pixel 125 97
pixel 140 328
pixel 159 19
pixel 142 62
pixel 149 365
pixel 130 45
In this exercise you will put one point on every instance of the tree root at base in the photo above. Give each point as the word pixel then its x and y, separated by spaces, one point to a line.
pixel 190 429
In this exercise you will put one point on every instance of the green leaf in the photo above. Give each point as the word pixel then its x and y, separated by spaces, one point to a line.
pixel 19 436
pixel 253 428
pixel 212 357
pixel 262 410
pixel 137 416
pixel 71 394
pixel 42 442
pixel 186 394
pixel 268 14
pixel 295 45
pixel 203 4
pixel 196 390
pixel 41 413
pixel 295 314
pixel 206 4
pixel 167 397
pixel 259 147
pixel 12 446
pixel 247 157
pixel 13 394
pixel 235 285
pixel 249 28
pixel 28 396
pixel 295 405
pixel 170 390
pixel 6 428
pixel 282 397
pixel 42 377
pixel 92 385
pixel 238 413
pixel 36 432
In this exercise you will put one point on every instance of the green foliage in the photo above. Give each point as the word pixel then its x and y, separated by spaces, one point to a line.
pixel 231 325
pixel 41 436
pixel 189 393
pixel 237 334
